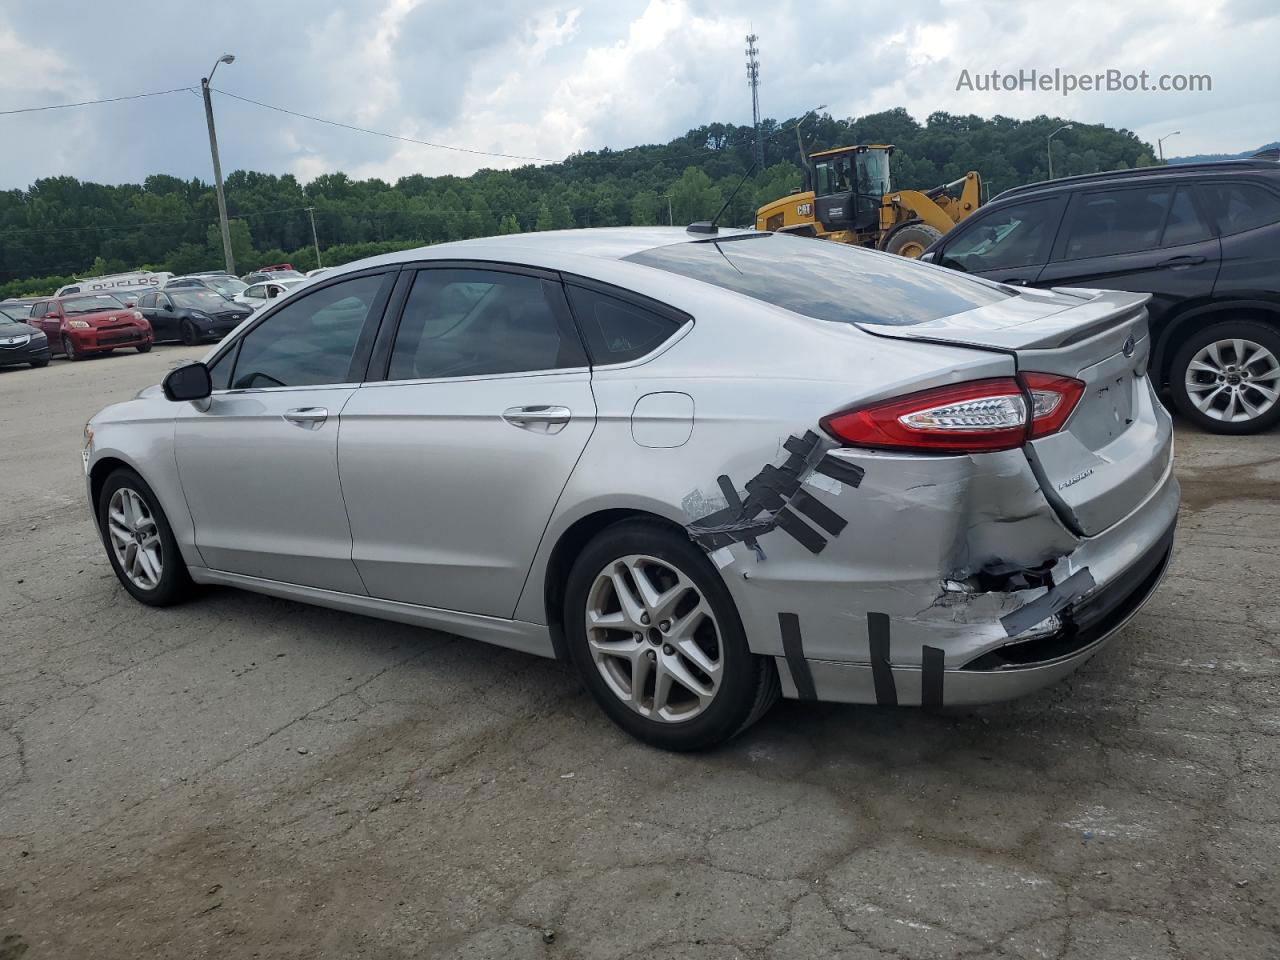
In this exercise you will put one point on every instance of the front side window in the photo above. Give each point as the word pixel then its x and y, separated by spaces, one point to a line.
pixel 198 299
pixel 473 323
pixel 1242 206
pixel 1018 235
pixel 1109 222
pixel 256 292
pixel 146 301
pixel 308 342
pixel 1185 225
pixel 824 280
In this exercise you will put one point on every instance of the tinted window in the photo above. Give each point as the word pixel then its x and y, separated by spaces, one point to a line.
pixel 1241 206
pixel 1185 225
pixel 198 299
pixel 310 341
pixel 827 281
pixel 70 290
pixel 469 323
pixel 1107 222
pixel 1018 235
pixel 220 370
pixel 617 331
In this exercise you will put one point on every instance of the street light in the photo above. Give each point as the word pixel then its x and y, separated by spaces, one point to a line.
pixel 1049 142
pixel 1161 140
pixel 217 166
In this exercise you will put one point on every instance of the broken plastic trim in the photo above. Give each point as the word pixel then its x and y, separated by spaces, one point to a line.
pixel 775 500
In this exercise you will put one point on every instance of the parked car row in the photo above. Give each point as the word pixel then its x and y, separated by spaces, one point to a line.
pixel 1202 239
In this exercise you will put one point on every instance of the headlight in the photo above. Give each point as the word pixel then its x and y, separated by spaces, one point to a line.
pixel 199 315
pixel 78 324
pixel 137 314
pixel 38 336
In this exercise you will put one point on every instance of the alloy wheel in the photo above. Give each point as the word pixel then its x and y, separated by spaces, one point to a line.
pixel 1233 380
pixel 135 538
pixel 654 638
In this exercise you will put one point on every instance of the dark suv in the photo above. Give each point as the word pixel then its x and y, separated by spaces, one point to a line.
pixel 1203 239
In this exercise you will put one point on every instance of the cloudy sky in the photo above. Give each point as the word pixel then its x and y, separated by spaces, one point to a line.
pixel 546 78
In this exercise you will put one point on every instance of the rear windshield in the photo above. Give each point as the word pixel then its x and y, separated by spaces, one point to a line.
pixel 92 304
pixel 825 280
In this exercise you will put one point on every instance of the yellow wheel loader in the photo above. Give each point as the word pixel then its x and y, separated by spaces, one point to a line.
pixel 851 200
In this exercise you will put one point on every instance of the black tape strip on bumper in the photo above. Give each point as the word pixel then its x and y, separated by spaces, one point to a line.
pixel 1059 598
pixel 793 649
pixel 849 473
pixel 931 677
pixel 881 671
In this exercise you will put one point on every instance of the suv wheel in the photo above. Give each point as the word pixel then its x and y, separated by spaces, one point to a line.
pixel 657 640
pixel 1226 378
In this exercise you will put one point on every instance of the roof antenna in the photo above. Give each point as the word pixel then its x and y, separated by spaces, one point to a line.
pixel 709 226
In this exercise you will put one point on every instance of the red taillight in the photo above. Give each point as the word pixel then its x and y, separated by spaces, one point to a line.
pixel 981 415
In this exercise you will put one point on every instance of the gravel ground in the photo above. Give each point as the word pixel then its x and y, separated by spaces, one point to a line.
pixel 247 777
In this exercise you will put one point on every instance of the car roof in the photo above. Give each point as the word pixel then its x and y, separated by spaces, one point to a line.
pixel 606 243
pixel 1174 170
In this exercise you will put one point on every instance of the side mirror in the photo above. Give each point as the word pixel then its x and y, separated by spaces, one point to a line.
pixel 168 305
pixel 190 381
pixel 928 257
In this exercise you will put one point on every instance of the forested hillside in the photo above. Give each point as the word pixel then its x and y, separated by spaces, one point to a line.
pixel 62 227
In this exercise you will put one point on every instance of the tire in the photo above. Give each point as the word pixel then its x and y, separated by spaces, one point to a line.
pixel 37 364
pixel 1211 390
pixel 173 584
pixel 190 336
pixel 143 348
pixel 69 350
pixel 910 239
pixel 740 687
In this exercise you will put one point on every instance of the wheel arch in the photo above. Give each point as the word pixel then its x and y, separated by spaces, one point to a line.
pixel 566 550
pixel 1185 324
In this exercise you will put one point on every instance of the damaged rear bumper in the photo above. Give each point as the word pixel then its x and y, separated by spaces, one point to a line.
pixel 1002 674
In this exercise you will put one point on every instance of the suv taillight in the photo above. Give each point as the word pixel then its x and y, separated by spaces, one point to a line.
pixel 972 417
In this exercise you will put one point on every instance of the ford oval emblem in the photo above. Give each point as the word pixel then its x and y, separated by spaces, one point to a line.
pixel 1129 346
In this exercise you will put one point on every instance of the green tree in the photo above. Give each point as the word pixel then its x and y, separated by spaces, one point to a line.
pixel 241 244
pixel 544 220
pixel 694 196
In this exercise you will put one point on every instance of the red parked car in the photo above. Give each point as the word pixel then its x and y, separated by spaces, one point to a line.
pixel 88 323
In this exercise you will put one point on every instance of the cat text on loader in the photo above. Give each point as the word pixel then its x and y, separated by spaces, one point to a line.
pixel 850 199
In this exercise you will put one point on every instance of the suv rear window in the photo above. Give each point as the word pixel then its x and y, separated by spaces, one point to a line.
pixel 824 280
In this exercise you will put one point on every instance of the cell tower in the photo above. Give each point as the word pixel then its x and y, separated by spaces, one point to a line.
pixel 753 79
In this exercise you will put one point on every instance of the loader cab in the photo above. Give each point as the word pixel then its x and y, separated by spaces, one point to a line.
pixel 849 183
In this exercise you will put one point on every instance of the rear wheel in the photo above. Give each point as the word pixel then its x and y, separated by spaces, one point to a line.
pixel 656 638
pixel 910 239
pixel 69 349
pixel 143 347
pixel 1226 378
pixel 40 363
pixel 140 543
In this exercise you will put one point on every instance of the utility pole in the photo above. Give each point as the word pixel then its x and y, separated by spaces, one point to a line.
pixel 1049 145
pixel 671 221
pixel 753 80
pixel 217 165
pixel 1160 143
pixel 314 239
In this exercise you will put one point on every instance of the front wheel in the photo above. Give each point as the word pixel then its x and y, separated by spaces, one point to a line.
pixel 910 239
pixel 69 350
pixel 139 541
pixel 657 639
pixel 37 364
pixel 190 336
pixel 1226 378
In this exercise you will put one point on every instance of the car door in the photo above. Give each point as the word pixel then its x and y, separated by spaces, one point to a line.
pixel 1009 243
pixel 147 307
pixel 258 461
pixel 45 316
pixel 1148 239
pixel 454 452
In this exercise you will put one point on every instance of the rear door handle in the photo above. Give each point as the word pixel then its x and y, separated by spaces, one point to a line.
pixel 1176 262
pixel 307 416
pixel 539 419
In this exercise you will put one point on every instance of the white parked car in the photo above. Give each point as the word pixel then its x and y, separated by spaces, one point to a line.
pixel 260 294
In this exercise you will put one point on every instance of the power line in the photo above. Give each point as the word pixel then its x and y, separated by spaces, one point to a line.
pixel 379 133
pixel 87 103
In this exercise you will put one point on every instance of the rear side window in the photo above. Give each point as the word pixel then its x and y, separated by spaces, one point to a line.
pixel 1018 235
pixel 615 330
pixel 1185 225
pixel 824 280
pixel 146 301
pixel 476 323
pixel 1107 222
pixel 1241 206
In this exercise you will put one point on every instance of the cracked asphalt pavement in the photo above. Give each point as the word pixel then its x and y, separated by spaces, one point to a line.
pixel 247 777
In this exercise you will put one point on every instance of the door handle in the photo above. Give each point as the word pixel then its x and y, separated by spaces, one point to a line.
pixel 540 419
pixel 1176 262
pixel 307 416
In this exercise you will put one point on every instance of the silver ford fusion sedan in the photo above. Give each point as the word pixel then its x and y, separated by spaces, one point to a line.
pixel 708 467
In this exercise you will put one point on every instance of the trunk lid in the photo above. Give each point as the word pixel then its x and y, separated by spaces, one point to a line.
pixel 1117 445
